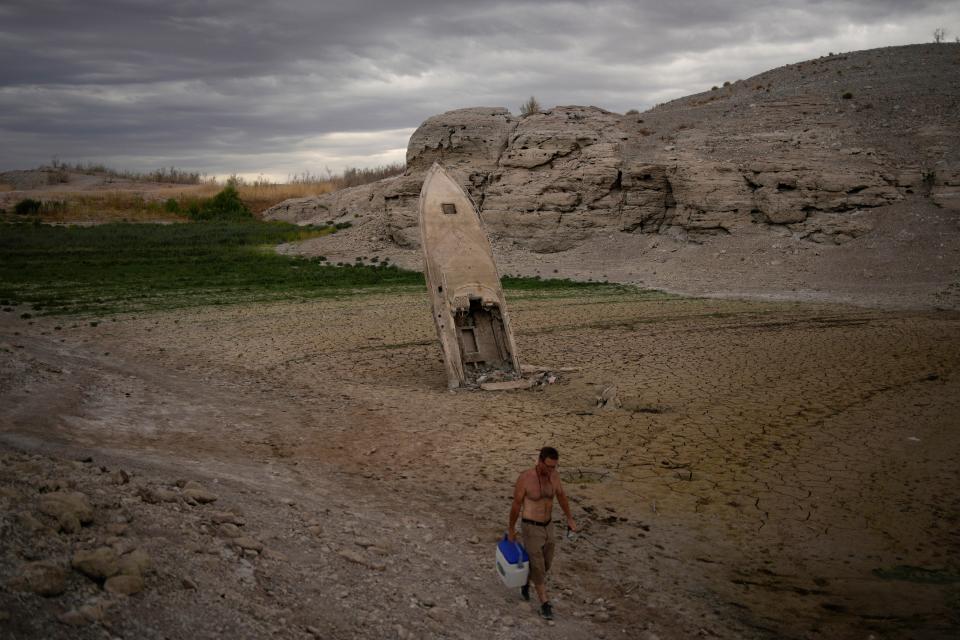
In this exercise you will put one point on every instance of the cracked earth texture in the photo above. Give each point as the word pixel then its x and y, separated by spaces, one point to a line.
pixel 776 469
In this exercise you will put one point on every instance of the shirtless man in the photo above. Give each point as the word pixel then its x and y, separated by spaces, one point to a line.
pixel 534 494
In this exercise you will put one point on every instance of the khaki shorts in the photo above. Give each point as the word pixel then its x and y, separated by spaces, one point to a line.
pixel 538 541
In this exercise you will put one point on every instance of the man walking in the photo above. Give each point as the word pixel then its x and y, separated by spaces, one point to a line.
pixel 533 495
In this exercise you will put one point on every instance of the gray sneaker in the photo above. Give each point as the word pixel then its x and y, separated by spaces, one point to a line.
pixel 546 611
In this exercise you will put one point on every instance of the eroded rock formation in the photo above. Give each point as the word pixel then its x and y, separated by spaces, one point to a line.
pixel 792 148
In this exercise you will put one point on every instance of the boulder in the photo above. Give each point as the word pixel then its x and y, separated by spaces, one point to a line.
pixel 788 159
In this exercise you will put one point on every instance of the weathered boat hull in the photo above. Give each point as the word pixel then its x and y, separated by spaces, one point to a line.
pixel 469 309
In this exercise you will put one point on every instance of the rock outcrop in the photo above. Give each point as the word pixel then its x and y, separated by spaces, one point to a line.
pixel 808 149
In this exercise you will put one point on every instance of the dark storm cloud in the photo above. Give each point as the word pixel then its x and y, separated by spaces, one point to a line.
pixel 251 86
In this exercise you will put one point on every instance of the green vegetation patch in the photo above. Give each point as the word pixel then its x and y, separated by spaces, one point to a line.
pixel 122 267
pixel 521 287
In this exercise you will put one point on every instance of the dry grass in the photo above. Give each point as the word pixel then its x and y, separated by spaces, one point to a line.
pixel 260 196
pixel 144 201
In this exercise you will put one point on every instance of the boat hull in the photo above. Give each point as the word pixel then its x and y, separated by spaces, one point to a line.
pixel 469 310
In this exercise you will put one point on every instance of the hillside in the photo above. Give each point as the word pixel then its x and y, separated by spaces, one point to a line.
pixel 836 179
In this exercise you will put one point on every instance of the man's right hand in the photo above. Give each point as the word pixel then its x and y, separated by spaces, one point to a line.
pixel 512 535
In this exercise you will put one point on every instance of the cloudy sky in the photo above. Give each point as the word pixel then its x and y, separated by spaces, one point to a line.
pixel 279 88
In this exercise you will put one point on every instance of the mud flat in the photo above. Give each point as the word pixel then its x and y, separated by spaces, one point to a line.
pixel 775 470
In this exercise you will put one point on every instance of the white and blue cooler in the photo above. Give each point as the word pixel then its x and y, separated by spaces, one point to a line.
pixel 513 563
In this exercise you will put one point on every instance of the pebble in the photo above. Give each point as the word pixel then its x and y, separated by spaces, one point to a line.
pixel 359 559
pixel 273 554
pixel 157 495
pixel 98 564
pixel 248 543
pixel 166 495
pixel 195 491
pixel 126 585
pixel 187 583
pixel 116 528
pixel 121 546
pixel 93 612
pixel 71 509
pixel 43 578
pixel 228 530
pixel 26 521
pixel 73 618
pixel 119 477
pixel 136 563
pixel 221 517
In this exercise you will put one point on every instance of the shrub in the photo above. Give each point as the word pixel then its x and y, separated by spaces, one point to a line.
pixel 171 205
pixel 27 207
pixel 226 205
pixel 529 107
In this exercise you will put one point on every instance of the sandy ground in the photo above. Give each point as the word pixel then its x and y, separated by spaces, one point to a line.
pixel 777 470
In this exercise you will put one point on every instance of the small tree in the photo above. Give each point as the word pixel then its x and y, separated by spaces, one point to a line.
pixel 529 107
pixel 939 34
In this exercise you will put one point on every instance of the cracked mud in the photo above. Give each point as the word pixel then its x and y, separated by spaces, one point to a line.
pixel 773 470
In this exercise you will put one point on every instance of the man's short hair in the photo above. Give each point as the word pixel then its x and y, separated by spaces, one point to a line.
pixel 549 452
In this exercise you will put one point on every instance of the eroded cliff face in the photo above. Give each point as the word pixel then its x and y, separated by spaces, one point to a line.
pixel 791 150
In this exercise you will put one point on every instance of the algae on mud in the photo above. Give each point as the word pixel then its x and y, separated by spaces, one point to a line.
pixel 125 267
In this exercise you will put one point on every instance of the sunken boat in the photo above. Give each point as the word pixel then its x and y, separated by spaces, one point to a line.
pixel 469 309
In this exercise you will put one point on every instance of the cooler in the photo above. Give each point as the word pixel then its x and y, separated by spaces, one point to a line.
pixel 513 563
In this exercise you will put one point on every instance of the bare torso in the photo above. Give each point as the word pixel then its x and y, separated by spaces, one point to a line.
pixel 538 494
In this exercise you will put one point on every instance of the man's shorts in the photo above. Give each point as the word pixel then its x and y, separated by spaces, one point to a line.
pixel 538 542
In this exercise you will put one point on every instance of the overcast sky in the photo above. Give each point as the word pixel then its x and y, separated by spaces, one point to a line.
pixel 283 87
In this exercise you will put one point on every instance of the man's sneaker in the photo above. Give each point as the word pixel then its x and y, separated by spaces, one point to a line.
pixel 546 611
pixel 525 592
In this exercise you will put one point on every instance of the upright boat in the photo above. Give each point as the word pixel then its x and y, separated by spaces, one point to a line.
pixel 469 309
